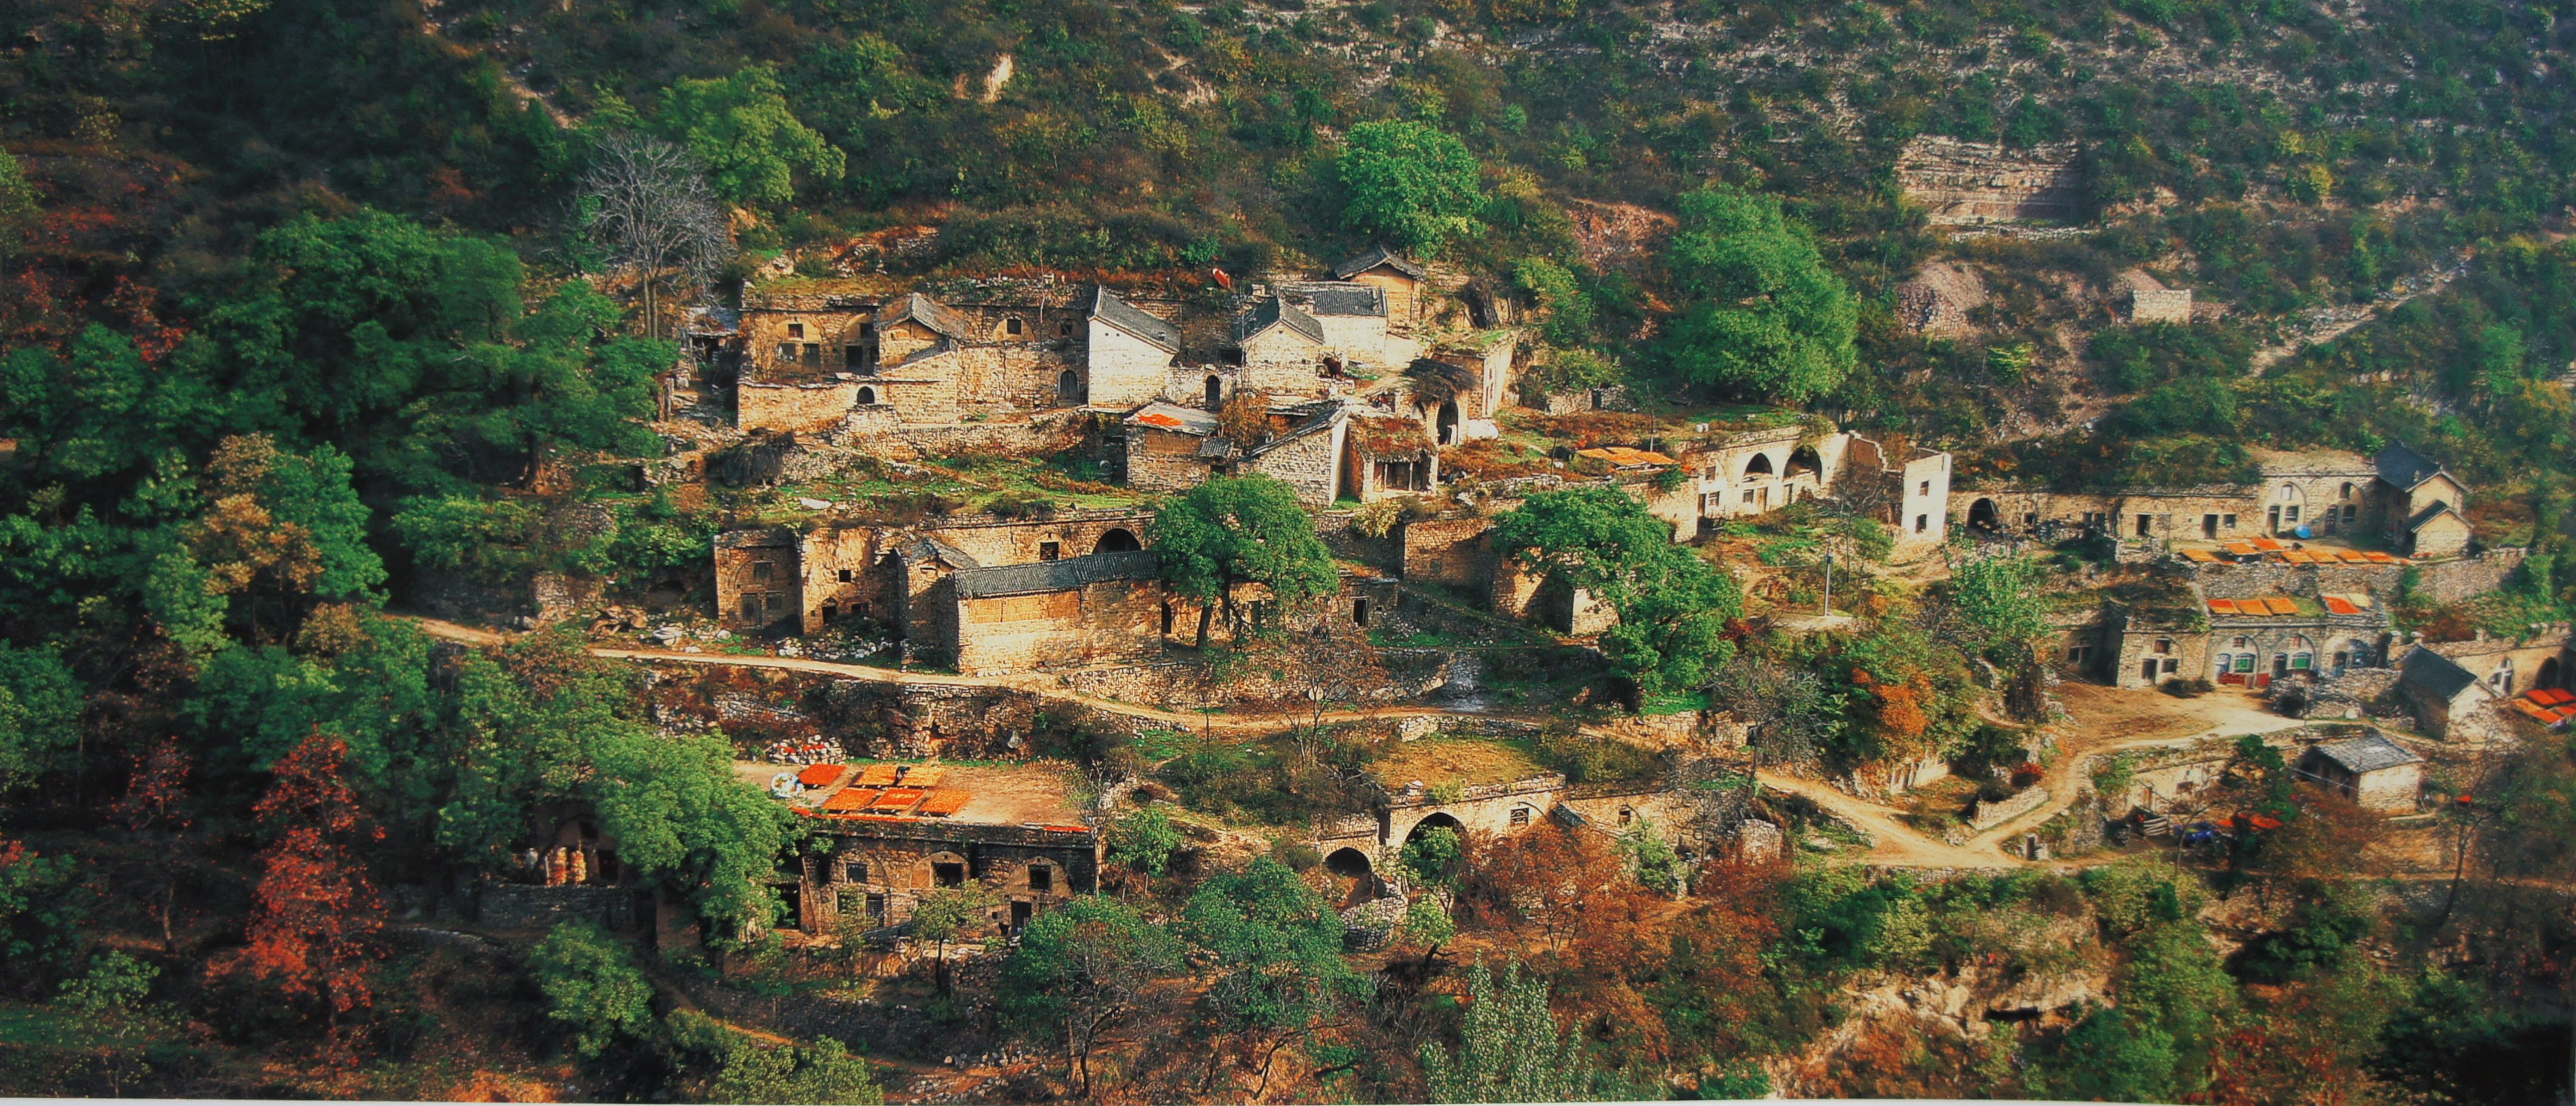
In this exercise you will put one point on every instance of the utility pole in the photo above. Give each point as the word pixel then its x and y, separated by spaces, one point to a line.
pixel 1829 584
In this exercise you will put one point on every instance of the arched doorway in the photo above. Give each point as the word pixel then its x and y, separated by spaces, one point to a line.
pixel 1984 515
pixel 1348 863
pixel 2551 672
pixel 1447 423
pixel 1436 820
pixel 1760 465
pixel 1803 461
pixel 867 397
pixel 1215 393
pixel 1119 539
pixel 1068 386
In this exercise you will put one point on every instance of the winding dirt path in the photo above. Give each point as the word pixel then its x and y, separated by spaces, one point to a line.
pixel 1892 842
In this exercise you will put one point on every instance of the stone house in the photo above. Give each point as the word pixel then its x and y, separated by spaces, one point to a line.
pixel 1354 318
pixel 2399 498
pixel 2253 643
pixel 2422 516
pixel 895 833
pixel 2377 774
pixel 1129 353
pixel 1278 348
pixel 1064 613
pixel 1754 472
pixel 2449 701
pixel 1325 449
pixel 1401 279
pixel 876 574
pixel 2511 666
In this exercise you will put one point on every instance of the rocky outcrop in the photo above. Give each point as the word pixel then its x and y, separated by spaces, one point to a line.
pixel 1977 182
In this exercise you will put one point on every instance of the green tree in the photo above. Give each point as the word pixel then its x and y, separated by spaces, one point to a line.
pixel 1080 969
pixel 1236 530
pixel 1673 607
pixel 40 705
pixel 756 1071
pixel 943 915
pixel 1427 924
pixel 1433 857
pixel 1510 1049
pixel 1767 320
pixel 2002 606
pixel 2115 1055
pixel 742 130
pixel 1410 183
pixel 1277 949
pixel 17 202
pixel 591 984
pixel 112 1004
pixel 1144 839
pixel 1651 858
pixel 1565 310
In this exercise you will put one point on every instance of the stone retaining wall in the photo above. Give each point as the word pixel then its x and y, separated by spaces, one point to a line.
pixel 1986 815
pixel 530 906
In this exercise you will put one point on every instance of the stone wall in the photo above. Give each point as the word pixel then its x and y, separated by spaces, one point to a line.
pixel 1985 815
pixel 1124 370
pixel 1106 621
pixel 1041 434
pixel 885 868
pixel 535 907
pixel 1977 182
pixel 800 407
pixel 1309 464
pixel 2160 305
pixel 756 579
pixel 1448 551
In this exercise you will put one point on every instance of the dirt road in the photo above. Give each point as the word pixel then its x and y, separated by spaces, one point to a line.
pixel 2107 720
pixel 1892 842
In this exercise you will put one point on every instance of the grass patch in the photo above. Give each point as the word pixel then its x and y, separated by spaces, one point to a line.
pixel 1463 761
pixel 1676 702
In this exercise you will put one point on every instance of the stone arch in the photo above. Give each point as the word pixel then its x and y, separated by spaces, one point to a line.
pixel 1438 819
pixel 1348 863
pixel 1984 515
pixel 1068 386
pixel 1804 461
pixel 1119 539
pixel 867 397
pixel 2551 673
pixel 2288 494
pixel 1759 465
pixel 1447 423
pixel 1215 392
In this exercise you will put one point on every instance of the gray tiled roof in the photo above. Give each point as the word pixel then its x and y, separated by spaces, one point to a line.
pixel 1340 300
pixel 1273 311
pixel 915 307
pixel 1376 256
pixel 922 550
pixel 2404 467
pixel 2427 515
pixel 2367 753
pixel 2433 673
pixel 1062 575
pixel 1108 308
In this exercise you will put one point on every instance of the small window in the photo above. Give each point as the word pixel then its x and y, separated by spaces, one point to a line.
pixel 1626 816
pixel 854 357
pixel 787 351
pixel 813 355
pixel 1748 497
pixel 1924 489
pixel 2242 642
pixel 1520 816
pixel 831 609
pixel 848 574
pixel 2228 521
pixel 2347 491
pixel 2172 666
pixel 858 610
pixel 1011 326
pixel 1922 524
pixel 948 875
pixel 2164 645
pixel 877 906
pixel 2290 513
pixel 1064 330
pixel 763 571
pixel 1041 878
pixel 1048 550
pixel 795 330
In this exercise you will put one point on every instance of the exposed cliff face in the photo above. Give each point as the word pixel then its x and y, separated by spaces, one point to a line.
pixel 1980 182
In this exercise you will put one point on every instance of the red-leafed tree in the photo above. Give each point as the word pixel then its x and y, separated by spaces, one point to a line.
pixel 155 806
pixel 312 936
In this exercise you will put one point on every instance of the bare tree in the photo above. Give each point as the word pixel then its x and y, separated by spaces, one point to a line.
pixel 646 205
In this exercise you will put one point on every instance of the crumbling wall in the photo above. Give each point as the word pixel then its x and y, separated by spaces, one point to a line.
pixel 800 407
pixel 1106 621
pixel 1978 182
